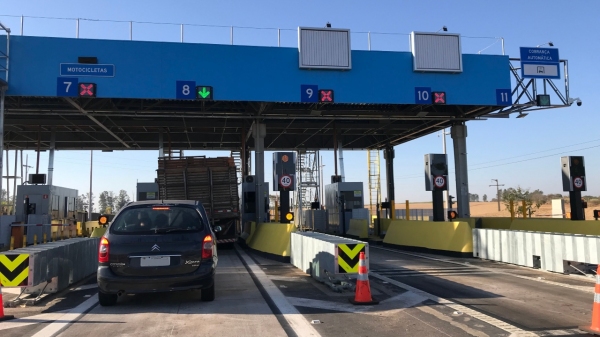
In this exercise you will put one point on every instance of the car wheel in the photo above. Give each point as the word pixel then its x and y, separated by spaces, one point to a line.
pixel 208 294
pixel 107 300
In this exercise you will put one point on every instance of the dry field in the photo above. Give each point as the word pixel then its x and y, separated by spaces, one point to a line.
pixel 490 209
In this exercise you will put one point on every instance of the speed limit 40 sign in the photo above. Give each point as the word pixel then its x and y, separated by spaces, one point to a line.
pixel 439 182
pixel 285 181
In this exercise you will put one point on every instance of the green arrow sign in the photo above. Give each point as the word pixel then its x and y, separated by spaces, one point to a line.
pixel 204 92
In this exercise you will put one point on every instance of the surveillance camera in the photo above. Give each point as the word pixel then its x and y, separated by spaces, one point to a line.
pixel 575 100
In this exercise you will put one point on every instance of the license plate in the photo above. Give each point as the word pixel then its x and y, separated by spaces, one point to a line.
pixel 155 261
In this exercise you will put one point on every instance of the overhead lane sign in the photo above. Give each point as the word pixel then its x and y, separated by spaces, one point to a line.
pixel 79 69
pixel 540 63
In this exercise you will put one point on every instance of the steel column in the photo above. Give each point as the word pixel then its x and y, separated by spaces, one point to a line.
pixel 389 172
pixel 51 156
pixel 259 133
pixel 459 139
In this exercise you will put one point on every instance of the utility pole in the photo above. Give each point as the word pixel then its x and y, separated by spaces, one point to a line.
pixel 497 192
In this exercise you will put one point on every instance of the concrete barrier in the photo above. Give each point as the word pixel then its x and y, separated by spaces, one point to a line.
pixel 318 254
pixel 385 224
pixel 454 238
pixel 547 251
pixel 359 228
pixel 557 226
pixel 50 267
pixel 272 239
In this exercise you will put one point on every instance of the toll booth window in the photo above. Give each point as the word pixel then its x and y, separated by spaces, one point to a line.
pixel 55 202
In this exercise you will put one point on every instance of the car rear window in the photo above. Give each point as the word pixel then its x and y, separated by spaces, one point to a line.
pixel 157 219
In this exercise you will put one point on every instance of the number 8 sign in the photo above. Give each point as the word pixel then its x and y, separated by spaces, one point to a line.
pixel 185 90
pixel 285 181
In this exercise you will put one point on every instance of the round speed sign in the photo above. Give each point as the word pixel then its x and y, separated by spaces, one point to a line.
pixel 578 182
pixel 439 181
pixel 285 181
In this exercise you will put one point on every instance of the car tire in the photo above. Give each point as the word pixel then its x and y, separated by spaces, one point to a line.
pixel 107 300
pixel 208 294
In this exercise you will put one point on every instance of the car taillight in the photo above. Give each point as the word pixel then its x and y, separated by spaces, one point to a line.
pixel 207 247
pixel 103 251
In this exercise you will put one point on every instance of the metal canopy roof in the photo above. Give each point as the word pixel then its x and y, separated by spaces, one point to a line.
pixel 120 124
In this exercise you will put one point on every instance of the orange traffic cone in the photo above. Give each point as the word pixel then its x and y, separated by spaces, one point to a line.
pixel 595 327
pixel 363 288
pixel 2 316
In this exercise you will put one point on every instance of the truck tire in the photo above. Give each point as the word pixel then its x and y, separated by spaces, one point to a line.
pixel 208 294
pixel 107 300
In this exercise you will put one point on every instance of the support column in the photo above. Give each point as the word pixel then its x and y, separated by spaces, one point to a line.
pixel 161 144
pixel 259 132
pixel 459 140
pixel 388 155
pixel 3 87
pixel 51 156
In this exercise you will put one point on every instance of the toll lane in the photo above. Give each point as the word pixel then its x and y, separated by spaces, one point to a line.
pixel 238 310
pixel 525 303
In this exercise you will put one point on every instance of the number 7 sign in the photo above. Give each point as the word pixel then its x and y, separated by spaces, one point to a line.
pixel 67 87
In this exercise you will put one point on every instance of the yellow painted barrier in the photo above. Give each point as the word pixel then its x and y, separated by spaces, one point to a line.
pixel 272 238
pixel 252 229
pixel 455 237
pixel 359 228
pixel 384 224
pixel 98 232
pixel 557 226
pixel 496 223
pixel 470 221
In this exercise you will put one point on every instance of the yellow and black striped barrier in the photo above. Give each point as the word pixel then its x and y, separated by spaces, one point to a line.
pixel 14 270
pixel 348 257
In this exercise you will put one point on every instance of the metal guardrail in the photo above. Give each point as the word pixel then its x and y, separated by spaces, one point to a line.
pixel 238 35
pixel 50 267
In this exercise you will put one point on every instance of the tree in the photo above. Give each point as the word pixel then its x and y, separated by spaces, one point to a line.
pixel 83 202
pixel 473 197
pixel 121 200
pixel 533 201
pixel 554 196
pixel 106 201
pixel 485 198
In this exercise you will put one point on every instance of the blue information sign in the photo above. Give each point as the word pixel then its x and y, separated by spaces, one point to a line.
pixel 185 90
pixel 309 93
pixel 80 69
pixel 503 97
pixel 540 63
pixel 67 86
pixel 539 55
pixel 422 95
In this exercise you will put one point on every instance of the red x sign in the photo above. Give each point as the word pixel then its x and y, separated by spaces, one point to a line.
pixel 439 97
pixel 87 89
pixel 326 96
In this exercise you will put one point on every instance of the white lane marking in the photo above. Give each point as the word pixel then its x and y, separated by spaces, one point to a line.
pixel 67 318
pixel 580 288
pixel 297 322
pixel 328 305
pixel 286 278
pixel 569 332
pixel 85 287
pixel 30 320
pixel 513 330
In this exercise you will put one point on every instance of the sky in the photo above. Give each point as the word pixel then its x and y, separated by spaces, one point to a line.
pixel 518 152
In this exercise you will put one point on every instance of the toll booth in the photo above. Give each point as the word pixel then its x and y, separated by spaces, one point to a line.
pixel 249 198
pixel 341 198
pixel 147 191
pixel 39 206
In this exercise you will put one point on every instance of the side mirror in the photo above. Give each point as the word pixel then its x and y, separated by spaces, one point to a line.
pixel 217 229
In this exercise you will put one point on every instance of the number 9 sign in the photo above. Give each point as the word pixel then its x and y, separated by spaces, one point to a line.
pixel 309 93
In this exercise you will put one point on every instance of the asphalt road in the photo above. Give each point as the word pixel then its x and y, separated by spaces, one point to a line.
pixel 260 297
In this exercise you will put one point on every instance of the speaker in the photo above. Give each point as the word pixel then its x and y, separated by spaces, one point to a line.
pixel 87 59
pixel 249 179
pixel 336 179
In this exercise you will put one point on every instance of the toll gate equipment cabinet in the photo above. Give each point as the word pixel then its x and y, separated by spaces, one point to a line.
pixel 340 199
pixel 43 205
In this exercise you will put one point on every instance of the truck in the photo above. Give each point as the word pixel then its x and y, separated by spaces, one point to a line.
pixel 212 181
